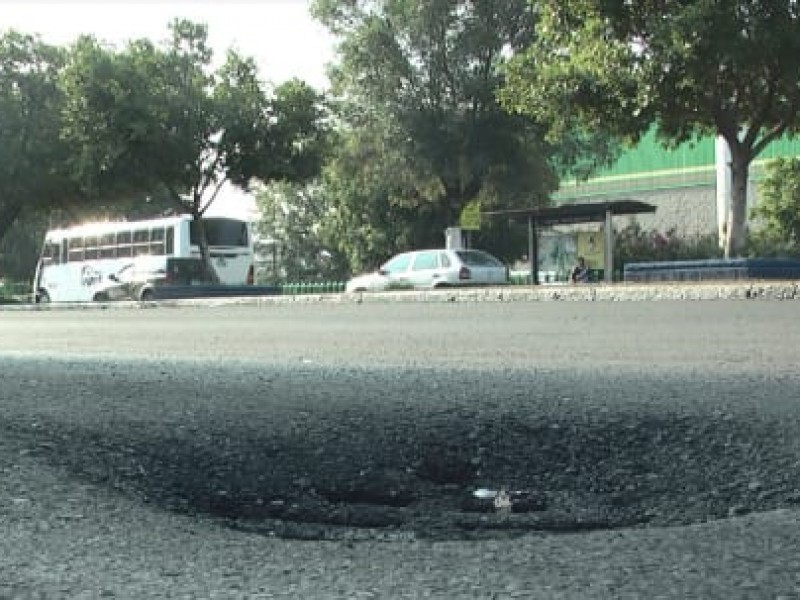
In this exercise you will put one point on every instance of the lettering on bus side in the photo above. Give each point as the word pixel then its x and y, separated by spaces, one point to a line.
pixel 90 276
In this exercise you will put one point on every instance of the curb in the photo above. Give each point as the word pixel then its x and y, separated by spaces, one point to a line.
pixel 621 292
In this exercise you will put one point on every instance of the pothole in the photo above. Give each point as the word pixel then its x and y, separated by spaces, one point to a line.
pixel 559 475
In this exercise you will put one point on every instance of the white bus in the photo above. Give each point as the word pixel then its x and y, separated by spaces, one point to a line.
pixel 115 260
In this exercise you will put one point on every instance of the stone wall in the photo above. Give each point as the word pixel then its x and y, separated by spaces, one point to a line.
pixel 690 211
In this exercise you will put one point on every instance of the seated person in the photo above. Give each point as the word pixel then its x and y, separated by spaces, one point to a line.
pixel 580 272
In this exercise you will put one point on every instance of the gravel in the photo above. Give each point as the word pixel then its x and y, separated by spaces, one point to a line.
pixel 257 462
pixel 656 457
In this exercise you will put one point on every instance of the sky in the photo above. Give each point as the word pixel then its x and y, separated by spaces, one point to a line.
pixel 280 35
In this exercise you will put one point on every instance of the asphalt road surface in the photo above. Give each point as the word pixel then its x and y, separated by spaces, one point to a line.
pixel 334 450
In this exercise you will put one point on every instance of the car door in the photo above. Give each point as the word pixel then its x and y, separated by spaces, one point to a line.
pixel 425 270
pixel 396 272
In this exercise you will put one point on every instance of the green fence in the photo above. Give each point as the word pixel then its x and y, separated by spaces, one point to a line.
pixel 312 287
pixel 15 292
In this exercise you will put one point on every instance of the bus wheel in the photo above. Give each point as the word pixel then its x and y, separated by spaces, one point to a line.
pixel 146 296
pixel 43 298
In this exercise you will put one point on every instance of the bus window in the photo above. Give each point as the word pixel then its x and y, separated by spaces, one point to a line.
pixel 124 248
pixel 222 232
pixel 75 249
pixel 157 241
pixel 108 246
pixel 169 246
pixel 51 254
pixel 91 251
pixel 141 242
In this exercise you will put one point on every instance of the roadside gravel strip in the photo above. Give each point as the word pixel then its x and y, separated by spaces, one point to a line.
pixel 729 290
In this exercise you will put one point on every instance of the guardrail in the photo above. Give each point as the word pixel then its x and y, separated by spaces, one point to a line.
pixel 311 287
pixel 713 270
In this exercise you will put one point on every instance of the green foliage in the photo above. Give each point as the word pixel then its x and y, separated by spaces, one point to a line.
pixel 372 216
pixel 692 68
pixel 635 244
pixel 32 154
pixel 20 247
pixel 422 132
pixel 141 130
pixel 292 244
pixel 160 118
pixel 777 214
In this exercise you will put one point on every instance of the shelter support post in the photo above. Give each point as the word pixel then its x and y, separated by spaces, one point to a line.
pixel 533 251
pixel 609 248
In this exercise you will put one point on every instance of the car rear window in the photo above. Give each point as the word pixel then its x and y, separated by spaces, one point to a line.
pixel 476 258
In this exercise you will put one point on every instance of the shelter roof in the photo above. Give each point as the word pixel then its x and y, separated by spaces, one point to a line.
pixel 574 213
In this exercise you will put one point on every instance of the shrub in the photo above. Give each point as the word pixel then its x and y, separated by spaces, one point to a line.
pixel 776 230
pixel 635 244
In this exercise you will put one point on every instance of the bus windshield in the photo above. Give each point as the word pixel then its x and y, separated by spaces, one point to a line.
pixel 222 232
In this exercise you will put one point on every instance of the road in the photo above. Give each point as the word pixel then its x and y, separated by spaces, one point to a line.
pixel 331 450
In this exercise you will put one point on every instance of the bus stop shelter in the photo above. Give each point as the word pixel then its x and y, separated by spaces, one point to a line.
pixel 570 214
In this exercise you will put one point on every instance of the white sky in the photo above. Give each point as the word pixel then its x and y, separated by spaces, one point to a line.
pixel 279 34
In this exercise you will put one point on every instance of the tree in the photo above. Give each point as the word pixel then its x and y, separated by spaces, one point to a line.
pixel 20 247
pixel 32 155
pixel 778 209
pixel 292 233
pixel 372 216
pixel 161 119
pixel 691 68
pixel 422 132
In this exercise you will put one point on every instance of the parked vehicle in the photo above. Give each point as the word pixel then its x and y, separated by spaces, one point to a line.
pixel 423 269
pixel 78 264
pixel 136 282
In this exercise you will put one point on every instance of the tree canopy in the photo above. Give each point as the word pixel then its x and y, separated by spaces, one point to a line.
pixel 162 119
pixel 32 154
pixel 162 116
pixel 691 68
pixel 778 210
pixel 294 233
pixel 421 132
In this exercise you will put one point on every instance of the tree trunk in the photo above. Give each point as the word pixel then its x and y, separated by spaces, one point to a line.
pixel 736 231
pixel 8 215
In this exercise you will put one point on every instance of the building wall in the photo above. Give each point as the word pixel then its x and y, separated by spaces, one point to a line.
pixel 690 212
pixel 681 182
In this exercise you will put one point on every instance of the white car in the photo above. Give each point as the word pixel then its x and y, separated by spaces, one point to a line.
pixel 423 269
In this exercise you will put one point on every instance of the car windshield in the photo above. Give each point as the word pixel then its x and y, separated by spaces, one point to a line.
pixel 397 264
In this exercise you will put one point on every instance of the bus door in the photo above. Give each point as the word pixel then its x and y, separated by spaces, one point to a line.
pixel 52 274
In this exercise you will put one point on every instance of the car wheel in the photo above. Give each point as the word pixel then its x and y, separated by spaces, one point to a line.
pixel 100 297
pixel 43 297
pixel 146 296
